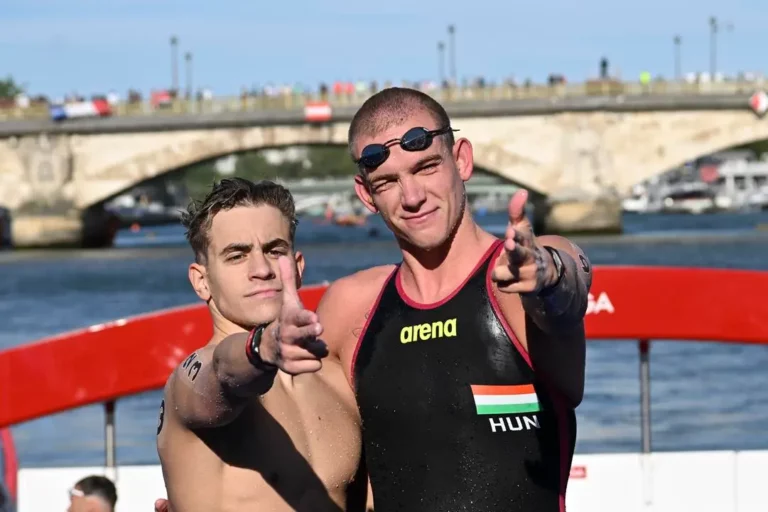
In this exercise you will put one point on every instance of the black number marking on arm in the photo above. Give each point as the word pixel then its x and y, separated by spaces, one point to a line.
pixel 161 417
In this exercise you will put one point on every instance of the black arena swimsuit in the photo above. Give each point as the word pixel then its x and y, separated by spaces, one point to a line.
pixel 454 417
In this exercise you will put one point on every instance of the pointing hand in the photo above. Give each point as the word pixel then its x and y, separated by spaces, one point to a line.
pixel 291 342
pixel 524 267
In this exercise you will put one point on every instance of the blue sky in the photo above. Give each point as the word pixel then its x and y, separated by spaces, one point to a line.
pixel 60 46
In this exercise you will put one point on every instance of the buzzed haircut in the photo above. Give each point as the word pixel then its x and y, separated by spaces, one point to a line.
pixel 393 106
pixel 230 193
pixel 99 486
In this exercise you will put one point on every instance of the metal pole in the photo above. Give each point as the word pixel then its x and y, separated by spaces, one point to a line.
pixel 712 47
pixel 174 64
pixel 645 394
pixel 452 48
pixel 188 59
pixel 678 66
pixel 441 62
pixel 110 444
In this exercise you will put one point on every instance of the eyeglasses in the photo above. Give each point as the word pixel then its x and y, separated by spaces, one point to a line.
pixel 75 492
pixel 415 139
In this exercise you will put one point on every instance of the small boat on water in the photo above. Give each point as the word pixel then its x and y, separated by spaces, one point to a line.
pixel 694 198
pixel 628 304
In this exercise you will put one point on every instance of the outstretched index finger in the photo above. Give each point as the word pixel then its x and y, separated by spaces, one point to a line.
pixel 288 277
pixel 517 206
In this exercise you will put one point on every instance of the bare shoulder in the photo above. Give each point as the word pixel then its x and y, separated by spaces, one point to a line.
pixel 179 393
pixel 354 292
pixel 188 369
pixel 180 384
pixel 346 304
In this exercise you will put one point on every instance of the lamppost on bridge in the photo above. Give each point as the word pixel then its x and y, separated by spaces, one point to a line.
pixel 452 49
pixel 441 62
pixel 174 64
pixel 712 47
pixel 678 40
pixel 188 60
pixel 714 28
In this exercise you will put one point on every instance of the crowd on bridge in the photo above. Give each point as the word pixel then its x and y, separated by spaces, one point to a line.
pixel 159 97
pixel 162 97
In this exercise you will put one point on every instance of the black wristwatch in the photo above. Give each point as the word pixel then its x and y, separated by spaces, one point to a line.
pixel 559 267
pixel 252 345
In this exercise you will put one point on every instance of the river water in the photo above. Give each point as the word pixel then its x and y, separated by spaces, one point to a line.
pixel 704 395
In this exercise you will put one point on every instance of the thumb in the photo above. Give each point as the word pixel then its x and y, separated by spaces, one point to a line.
pixel 288 277
pixel 517 206
pixel 161 506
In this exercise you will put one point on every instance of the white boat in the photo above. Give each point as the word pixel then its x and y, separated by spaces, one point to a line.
pixel 634 304
pixel 690 197
pixel 636 204
pixel 742 186
pixel 642 199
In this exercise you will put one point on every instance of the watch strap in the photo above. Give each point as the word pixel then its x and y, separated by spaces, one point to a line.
pixel 559 267
pixel 252 345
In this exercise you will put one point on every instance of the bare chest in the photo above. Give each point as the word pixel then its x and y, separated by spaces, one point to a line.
pixel 322 425
pixel 298 437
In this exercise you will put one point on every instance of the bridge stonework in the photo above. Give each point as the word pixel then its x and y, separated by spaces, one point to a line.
pixel 582 161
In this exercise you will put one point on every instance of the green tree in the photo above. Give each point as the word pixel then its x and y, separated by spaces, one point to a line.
pixel 199 178
pixel 9 88
pixel 321 162
pixel 759 147
pixel 330 161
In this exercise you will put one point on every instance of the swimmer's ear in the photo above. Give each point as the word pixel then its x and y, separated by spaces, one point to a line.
pixel 463 155
pixel 198 278
pixel 299 267
pixel 364 194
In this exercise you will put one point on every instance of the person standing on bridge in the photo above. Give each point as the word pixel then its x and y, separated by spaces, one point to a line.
pixel 256 422
pixel 467 357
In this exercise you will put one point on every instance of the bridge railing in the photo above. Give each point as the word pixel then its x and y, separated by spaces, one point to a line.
pixel 297 101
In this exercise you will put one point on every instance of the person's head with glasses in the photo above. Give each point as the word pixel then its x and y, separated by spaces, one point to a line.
pixel 411 168
pixel 93 494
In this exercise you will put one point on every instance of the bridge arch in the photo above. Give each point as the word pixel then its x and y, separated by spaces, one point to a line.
pixel 601 150
pixel 172 151
pixel 713 133
pixel 184 149
pixel 545 154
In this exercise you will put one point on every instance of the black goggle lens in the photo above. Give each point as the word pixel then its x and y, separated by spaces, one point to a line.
pixel 415 139
pixel 374 155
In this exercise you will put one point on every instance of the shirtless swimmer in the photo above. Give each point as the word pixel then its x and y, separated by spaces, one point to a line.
pixel 257 421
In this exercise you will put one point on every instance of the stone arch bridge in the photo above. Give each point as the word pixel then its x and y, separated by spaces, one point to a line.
pixel 582 156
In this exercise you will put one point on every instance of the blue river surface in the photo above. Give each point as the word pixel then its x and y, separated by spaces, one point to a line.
pixel 704 395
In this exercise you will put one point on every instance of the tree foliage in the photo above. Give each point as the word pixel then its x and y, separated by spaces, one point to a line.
pixel 9 89
pixel 760 147
pixel 320 162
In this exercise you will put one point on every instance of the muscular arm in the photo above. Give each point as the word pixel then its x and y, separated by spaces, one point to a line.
pixel 552 327
pixel 211 387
